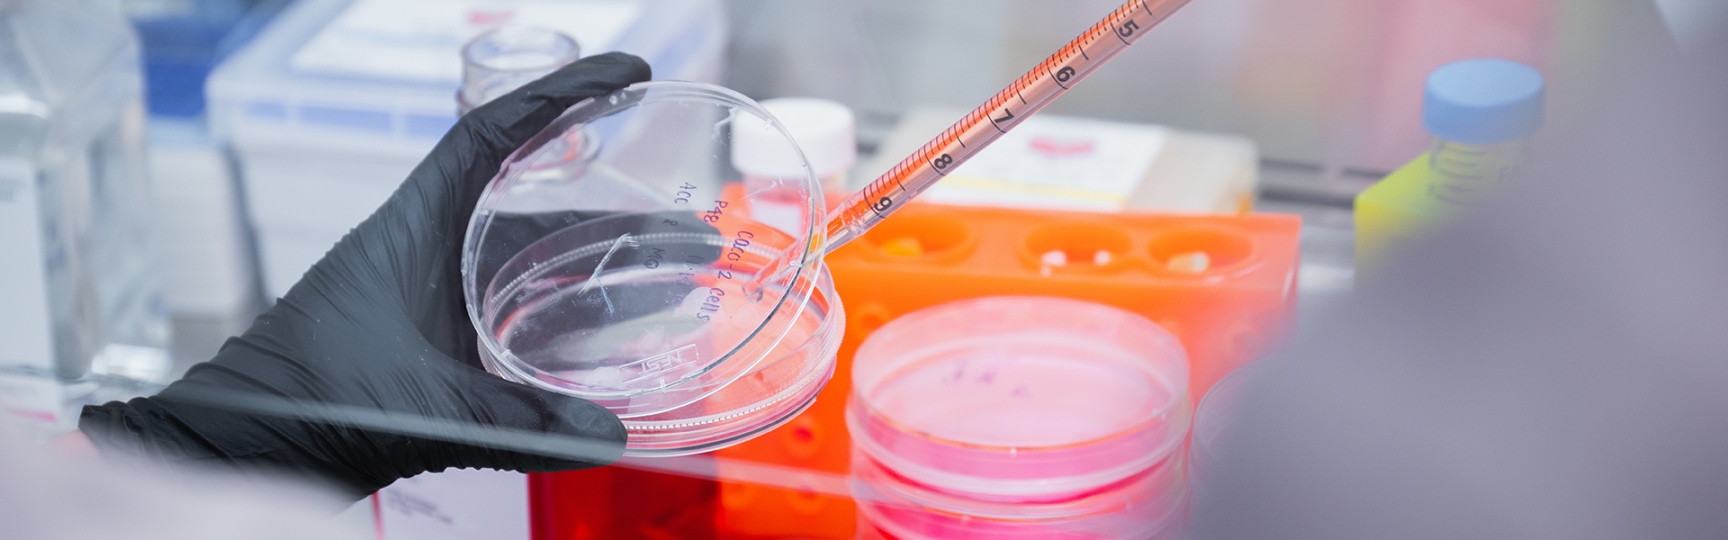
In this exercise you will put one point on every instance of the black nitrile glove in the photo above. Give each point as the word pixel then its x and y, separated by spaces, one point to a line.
pixel 380 324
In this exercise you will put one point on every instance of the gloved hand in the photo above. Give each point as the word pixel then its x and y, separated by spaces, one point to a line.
pixel 380 324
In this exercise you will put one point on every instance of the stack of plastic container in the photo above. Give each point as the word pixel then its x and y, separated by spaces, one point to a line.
pixel 337 100
pixel 81 316
pixel 1019 417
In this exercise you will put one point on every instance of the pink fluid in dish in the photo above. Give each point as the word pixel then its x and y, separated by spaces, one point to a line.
pixel 1019 398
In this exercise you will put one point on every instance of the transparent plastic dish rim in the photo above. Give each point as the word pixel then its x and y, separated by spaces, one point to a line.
pixel 1022 487
pixel 1156 501
pixel 821 371
pixel 596 108
pixel 1166 479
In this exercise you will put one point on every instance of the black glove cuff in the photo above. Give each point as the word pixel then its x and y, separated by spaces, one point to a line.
pixel 153 431
pixel 144 429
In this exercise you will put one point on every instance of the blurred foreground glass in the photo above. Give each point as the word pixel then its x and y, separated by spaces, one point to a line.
pixel 1215 423
pixel 607 261
pixel 1021 417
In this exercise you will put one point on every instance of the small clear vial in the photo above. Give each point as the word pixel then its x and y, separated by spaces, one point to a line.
pixel 1482 113
pixel 505 58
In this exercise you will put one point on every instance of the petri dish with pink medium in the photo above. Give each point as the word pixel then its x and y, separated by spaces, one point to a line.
pixel 1017 399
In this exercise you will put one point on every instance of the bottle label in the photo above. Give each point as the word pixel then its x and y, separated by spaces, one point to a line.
pixel 24 320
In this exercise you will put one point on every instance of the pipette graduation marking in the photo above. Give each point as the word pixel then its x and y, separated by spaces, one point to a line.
pixel 1031 92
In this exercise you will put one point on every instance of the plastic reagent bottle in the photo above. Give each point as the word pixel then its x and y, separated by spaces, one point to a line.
pixel 1481 113
pixel 80 300
pixel 825 132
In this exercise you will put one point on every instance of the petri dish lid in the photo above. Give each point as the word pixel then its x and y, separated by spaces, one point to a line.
pixel 606 261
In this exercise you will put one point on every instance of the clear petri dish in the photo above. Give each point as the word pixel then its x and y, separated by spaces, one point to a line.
pixel 1019 399
pixel 605 261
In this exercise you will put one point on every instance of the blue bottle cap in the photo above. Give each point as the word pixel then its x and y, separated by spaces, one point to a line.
pixel 1483 101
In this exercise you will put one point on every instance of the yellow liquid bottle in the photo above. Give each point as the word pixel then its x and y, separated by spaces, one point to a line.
pixel 1480 112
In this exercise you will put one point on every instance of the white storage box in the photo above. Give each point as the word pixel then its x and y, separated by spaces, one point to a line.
pixel 331 106
pixel 1071 163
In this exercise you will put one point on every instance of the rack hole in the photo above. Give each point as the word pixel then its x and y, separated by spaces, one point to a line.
pixel 1200 251
pixel 1077 247
pixel 905 237
pixel 803 436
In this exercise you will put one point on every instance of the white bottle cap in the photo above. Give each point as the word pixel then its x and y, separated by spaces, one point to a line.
pixel 822 128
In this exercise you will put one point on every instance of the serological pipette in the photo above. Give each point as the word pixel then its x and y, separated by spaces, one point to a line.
pixel 1029 93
